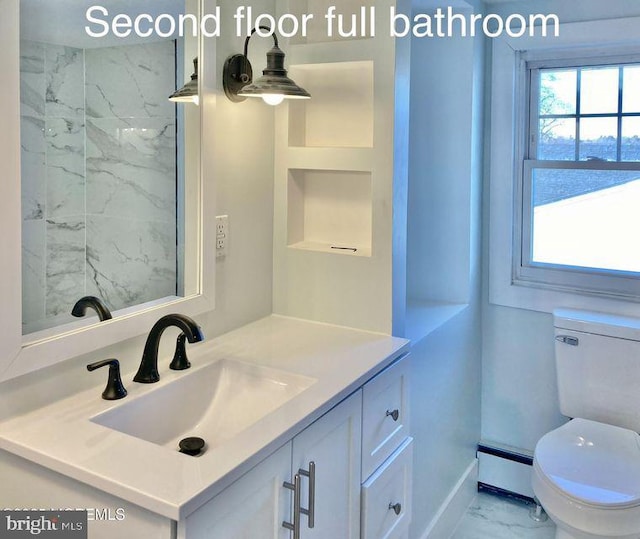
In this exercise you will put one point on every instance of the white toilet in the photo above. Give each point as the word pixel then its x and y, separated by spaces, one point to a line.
pixel 586 474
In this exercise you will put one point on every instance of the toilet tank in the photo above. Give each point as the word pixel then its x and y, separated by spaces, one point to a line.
pixel 598 367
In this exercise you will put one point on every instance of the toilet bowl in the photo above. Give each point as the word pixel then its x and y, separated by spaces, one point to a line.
pixel 586 473
pixel 587 477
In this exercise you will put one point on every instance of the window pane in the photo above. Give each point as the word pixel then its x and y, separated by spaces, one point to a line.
pixel 599 90
pixel 631 89
pixel 586 218
pixel 557 139
pixel 598 139
pixel 558 92
pixel 631 138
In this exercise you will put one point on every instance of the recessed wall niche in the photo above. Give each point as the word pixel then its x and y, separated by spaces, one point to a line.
pixel 329 211
pixel 340 113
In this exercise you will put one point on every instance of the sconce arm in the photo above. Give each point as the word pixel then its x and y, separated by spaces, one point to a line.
pixel 246 41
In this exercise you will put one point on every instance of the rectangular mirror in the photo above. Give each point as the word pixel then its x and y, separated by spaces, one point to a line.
pixel 111 184
pixel 102 163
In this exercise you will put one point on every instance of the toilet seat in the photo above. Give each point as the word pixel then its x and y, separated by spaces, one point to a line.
pixel 592 463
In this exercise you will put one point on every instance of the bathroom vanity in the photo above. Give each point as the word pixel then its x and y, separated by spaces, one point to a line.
pixel 329 455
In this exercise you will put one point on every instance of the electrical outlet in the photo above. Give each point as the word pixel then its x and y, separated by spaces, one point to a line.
pixel 222 235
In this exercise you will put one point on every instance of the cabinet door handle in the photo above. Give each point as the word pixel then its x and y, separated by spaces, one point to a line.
pixel 311 512
pixel 396 508
pixel 395 414
pixel 295 526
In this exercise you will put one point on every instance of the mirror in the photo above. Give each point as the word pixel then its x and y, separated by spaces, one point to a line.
pixel 102 162
pixel 109 178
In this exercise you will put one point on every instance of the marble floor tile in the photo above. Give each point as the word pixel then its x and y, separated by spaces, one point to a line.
pixel 496 517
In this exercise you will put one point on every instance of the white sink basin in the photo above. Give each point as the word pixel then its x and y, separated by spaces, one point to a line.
pixel 214 403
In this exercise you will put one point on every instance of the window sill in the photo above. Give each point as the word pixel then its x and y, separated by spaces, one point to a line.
pixel 537 298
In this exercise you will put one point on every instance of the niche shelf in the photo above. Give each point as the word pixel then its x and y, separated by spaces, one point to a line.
pixel 340 115
pixel 329 211
pixel 335 171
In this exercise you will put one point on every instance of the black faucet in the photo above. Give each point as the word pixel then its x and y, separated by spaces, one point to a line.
pixel 114 390
pixel 80 308
pixel 148 371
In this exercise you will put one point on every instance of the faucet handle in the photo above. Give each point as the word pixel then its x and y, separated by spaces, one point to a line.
pixel 180 361
pixel 114 389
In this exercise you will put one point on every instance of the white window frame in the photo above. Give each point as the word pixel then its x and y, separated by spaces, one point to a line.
pixel 509 115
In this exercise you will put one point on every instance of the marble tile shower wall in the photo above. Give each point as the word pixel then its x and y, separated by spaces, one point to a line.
pixel 99 177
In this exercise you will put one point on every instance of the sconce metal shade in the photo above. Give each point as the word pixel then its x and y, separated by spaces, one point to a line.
pixel 189 92
pixel 274 80
pixel 273 86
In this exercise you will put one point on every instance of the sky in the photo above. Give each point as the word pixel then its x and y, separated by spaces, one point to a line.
pixel 598 95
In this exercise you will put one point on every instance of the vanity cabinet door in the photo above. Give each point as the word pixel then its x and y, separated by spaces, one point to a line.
pixel 333 445
pixel 251 508
pixel 257 504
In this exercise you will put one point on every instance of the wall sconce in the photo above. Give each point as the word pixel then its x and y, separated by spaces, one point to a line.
pixel 189 92
pixel 273 87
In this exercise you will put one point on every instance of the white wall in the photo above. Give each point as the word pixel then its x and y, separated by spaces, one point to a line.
pixel 445 406
pixel 244 183
pixel 445 183
pixel 519 400
pixel 244 157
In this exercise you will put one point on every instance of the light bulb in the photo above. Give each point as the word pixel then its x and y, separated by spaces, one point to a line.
pixel 273 99
pixel 196 100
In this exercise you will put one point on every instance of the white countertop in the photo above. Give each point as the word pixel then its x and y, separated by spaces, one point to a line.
pixel 61 436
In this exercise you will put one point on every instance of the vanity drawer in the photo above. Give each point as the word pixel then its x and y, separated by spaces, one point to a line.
pixel 385 415
pixel 386 497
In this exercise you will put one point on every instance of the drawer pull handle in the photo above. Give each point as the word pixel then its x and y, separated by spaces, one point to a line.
pixel 394 415
pixel 295 526
pixel 396 508
pixel 311 474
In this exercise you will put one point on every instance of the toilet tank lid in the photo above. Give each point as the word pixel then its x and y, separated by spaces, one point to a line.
pixel 610 325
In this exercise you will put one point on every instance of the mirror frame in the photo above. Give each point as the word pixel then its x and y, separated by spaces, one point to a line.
pixel 18 358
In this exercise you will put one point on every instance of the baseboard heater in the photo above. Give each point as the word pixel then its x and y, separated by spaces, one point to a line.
pixel 497 491
pixel 505 471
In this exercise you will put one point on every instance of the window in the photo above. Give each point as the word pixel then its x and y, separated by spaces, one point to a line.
pixel 579 183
